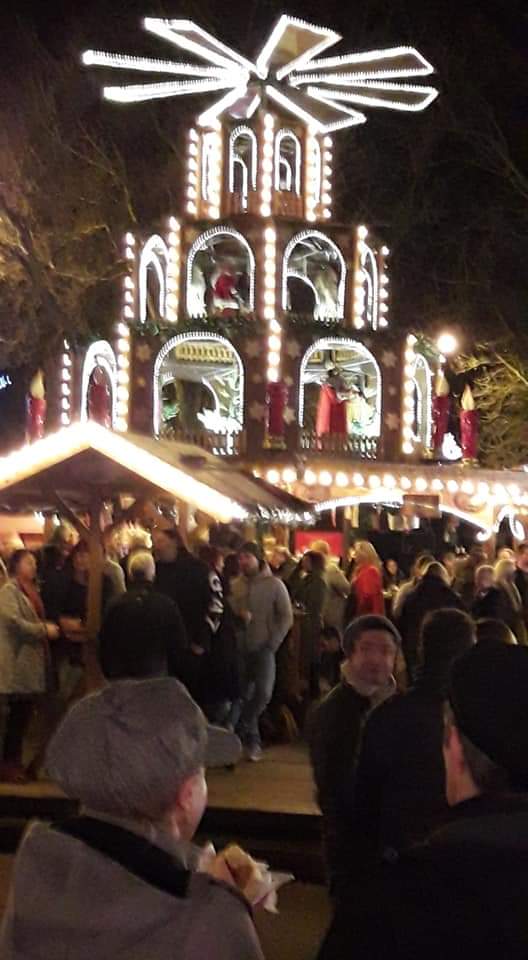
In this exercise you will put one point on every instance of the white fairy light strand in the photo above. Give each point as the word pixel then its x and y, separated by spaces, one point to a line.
pixel 165 351
pixel 316 234
pixel 201 242
pixel 408 395
pixel 269 305
pixel 100 354
pixel 123 335
pixel 66 379
pixel 173 270
pixel 155 254
pixel 226 69
pixel 341 344
pixel 295 175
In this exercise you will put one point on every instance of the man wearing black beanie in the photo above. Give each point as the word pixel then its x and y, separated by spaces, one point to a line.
pixel 463 893
pixel 370 645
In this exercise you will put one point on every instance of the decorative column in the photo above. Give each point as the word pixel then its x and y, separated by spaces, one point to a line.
pixel 469 427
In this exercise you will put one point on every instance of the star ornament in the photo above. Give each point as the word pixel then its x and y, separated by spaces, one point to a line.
pixel 323 92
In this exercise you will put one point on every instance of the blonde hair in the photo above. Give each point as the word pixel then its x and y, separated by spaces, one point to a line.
pixel 484 568
pixel 320 546
pixel 366 555
pixel 501 569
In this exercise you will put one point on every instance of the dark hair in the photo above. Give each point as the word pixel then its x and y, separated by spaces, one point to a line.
pixel 209 555
pixel 171 533
pixel 317 560
pixel 231 567
pixel 329 631
pixel 488 776
pixel 360 625
pixel 15 559
pixel 492 631
pixel 446 635
pixel 522 547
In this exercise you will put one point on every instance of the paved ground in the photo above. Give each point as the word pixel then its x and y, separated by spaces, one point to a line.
pixel 280 783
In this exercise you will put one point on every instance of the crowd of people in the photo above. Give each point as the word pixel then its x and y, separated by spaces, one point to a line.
pixel 414 707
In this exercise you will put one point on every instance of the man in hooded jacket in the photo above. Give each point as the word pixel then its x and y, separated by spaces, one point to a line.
pixel 431 593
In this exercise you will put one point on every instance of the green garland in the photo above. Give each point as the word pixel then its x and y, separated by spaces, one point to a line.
pixel 237 325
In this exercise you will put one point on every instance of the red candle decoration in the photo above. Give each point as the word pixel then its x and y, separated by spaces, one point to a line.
pixel 469 426
pixel 36 409
pixel 276 399
pixel 440 411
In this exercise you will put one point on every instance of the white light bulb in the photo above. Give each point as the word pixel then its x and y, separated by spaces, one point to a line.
pixel 325 478
pixel 265 209
pixel 327 214
pixel 274 343
pixel 407 448
pixel 191 207
pixel 362 232
pixel 273 358
pixel 270 235
pixel 275 327
pixel 289 475
pixel 309 478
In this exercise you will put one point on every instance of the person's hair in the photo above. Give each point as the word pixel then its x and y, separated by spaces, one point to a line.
pixel 141 565
pixel 422 561
pixel 446 635
pixel 494 631
pixel 172 533
pixel 438 570
pixel 231 566
pixel 317 560
pixel 522 547
pixel 283 552
pixel 502 568
pixel 446 551
pixel 14 560
pixel 487 775
pixel 61 534
pixel 359 626
pixel 484 568
pixel 366 555
pixel 141 740
pixel 321 546
pixel 209 555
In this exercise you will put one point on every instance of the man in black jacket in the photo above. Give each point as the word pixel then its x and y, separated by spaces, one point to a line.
pixel 142 634
pixel 370 645
pixel 184 579
pixel 400 784
pixel 463 894
pixel 432 593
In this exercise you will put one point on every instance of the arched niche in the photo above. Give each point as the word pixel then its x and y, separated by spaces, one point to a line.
pixel 242 163
pixel 422 397
pixel 313 259
pixel 360 378
pixel 198 385
pixel 369 284
pixel 99 384
pixel 220 274
pixel 288 153
pixel 153 263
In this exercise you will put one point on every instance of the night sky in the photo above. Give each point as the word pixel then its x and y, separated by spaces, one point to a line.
pixel 431 183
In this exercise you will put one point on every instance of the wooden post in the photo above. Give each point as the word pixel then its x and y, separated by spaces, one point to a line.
pixel 94 677
pixel 183 522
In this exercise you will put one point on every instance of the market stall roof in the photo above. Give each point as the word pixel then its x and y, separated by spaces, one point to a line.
pixel 84 461
pixel 477 495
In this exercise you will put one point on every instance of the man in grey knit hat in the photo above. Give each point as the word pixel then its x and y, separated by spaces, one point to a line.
pixel 122 880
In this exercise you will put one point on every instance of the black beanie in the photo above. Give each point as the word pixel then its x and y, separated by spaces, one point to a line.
pixel 489 699
pixel 370 621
